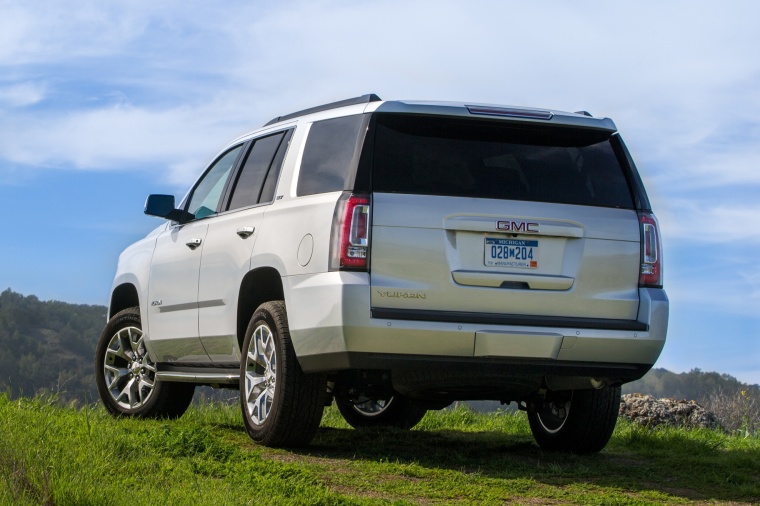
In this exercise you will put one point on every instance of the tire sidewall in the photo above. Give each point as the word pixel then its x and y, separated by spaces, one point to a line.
pixel 589 425
pixel 127 318
pixel 259 432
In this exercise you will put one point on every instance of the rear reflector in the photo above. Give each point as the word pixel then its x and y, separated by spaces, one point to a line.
pixel 651 252
pixel 349 240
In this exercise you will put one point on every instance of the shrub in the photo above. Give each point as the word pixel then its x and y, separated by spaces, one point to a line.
pixel 738 411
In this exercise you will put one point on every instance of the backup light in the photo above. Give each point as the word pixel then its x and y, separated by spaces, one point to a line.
pixel 650 274
pixel 349 241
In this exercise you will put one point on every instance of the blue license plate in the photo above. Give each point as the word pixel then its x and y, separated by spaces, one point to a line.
pixel 519 253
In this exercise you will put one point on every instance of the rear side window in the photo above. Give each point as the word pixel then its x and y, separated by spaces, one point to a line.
pixel 270 184
pixel 465 158
pixel 258 168
pixel 331 155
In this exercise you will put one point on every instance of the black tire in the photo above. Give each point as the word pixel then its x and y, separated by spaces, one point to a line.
pixel 126 377
pixel 286 404
pixel 394 411
pixel 576 421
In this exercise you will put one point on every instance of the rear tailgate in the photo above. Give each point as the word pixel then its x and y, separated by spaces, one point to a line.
pixel 482 220
pixel 442 254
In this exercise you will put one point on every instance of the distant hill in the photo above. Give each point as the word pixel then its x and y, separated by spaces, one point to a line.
pixel 48 347
pixel 695 384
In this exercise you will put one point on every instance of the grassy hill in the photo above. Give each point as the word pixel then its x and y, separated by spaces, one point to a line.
pixel 51 454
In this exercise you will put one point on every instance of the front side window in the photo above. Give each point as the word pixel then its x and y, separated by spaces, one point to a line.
pixel 206 195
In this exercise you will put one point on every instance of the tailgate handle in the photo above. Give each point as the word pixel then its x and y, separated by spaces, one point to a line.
pixel 513 281
pixel 515 285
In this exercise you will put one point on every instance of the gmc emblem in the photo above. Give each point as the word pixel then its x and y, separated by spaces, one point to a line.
pixel 517 226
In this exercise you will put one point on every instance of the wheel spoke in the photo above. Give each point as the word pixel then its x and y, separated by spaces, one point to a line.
pixel 125 344
pixel 261 406
pixel 254 384
pixel 135 399
pixel 254 358
pixel 271 360
pixel 116 374
pixel 119 351
pixel 126 392
pixel 134 340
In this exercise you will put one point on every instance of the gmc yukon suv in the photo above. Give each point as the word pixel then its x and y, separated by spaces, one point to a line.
pixel 393 257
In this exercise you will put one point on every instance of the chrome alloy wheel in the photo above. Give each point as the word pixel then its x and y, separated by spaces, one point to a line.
pixel 371 407
pixel 260 374
pixel 130 375
pixel 554 414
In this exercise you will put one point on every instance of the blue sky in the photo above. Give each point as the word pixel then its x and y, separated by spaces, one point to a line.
pixel 102 103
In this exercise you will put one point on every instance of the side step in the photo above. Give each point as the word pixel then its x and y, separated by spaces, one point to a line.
pixel 200 375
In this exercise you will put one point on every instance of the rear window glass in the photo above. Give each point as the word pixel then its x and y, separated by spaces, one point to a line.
pixel 466 158
pixel 331 155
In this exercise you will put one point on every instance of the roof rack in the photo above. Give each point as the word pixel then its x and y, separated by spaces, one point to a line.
pixel 364 99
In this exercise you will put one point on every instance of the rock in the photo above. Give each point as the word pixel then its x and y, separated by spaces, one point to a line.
pixel 646 410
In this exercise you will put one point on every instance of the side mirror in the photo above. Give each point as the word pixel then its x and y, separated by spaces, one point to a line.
pixel 163 207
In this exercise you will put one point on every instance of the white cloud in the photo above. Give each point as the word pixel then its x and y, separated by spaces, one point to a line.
pixel 21 95
pixel 714 222
pixel 122 136
pixel 177 79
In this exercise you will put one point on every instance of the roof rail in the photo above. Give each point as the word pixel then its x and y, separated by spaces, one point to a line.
pixel 364 99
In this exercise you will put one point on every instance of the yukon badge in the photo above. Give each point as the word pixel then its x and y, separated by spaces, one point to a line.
pixel 402 295
pixel 523 227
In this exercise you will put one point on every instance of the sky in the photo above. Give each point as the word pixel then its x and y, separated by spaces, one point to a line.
pixel 102 103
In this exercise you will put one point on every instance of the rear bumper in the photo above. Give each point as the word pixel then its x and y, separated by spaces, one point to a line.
pixel 333 328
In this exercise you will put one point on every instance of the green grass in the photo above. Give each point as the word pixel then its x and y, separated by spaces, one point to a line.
pixel 63 455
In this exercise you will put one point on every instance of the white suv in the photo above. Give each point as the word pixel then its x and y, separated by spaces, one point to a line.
pixel 396 256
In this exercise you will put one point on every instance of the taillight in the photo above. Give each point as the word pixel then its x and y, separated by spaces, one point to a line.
pixel 651 252
pixel 349 241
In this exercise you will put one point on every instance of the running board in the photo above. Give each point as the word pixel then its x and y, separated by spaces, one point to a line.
pixel 209 376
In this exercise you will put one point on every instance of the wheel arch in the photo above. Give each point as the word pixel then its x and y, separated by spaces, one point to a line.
pixel 122 297
pixel 258 286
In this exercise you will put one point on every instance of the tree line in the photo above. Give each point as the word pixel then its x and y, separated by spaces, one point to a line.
pixel 48 347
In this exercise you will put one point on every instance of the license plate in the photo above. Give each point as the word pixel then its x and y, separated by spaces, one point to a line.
pixel 511 253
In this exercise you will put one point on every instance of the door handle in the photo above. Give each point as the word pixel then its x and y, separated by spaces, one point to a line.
pixel 194 243
pixel 245 231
